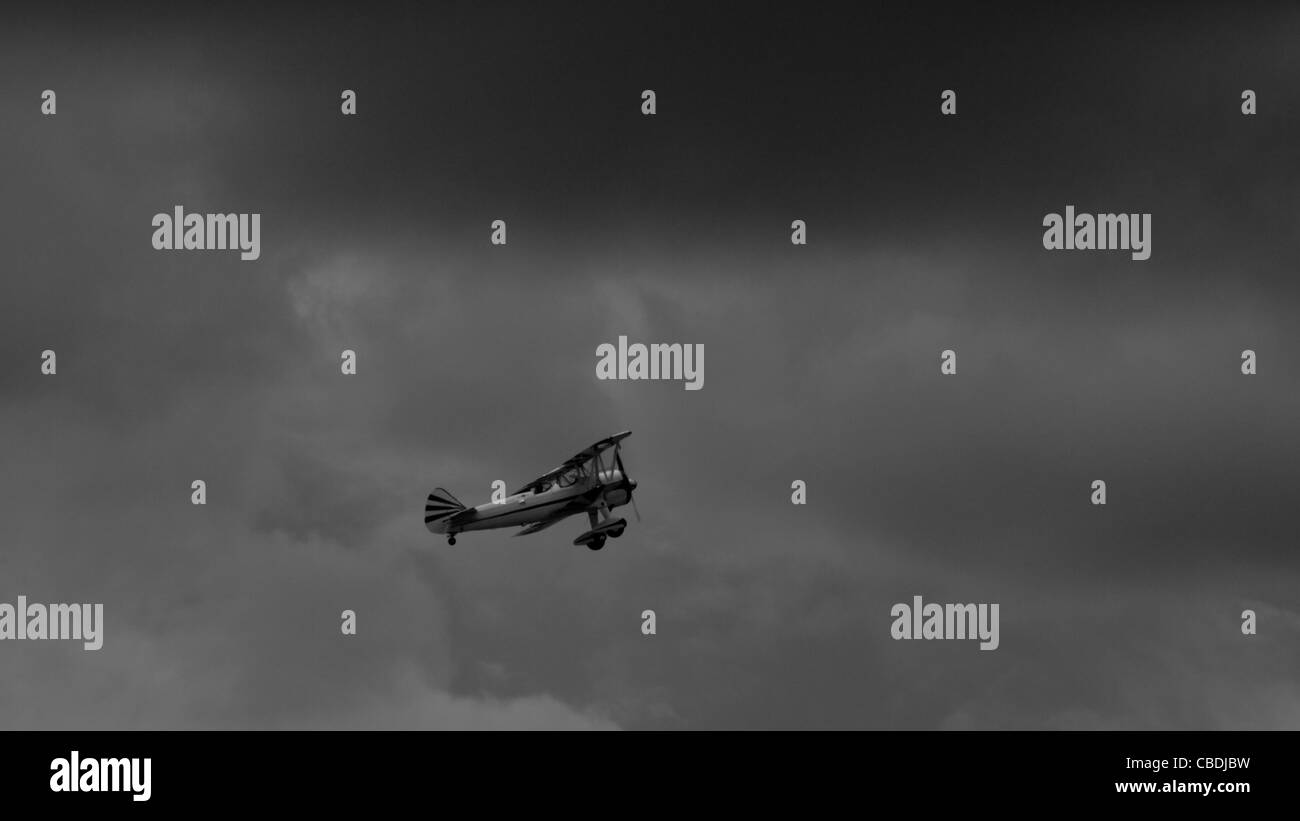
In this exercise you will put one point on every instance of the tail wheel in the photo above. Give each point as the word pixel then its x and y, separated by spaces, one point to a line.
pixel 451 540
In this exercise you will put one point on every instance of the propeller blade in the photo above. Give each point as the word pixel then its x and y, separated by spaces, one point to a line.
pixel 618 459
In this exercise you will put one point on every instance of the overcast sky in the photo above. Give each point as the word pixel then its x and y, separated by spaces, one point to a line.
pixel 477 363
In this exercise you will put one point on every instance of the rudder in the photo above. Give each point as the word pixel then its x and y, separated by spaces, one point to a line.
pixel 441 504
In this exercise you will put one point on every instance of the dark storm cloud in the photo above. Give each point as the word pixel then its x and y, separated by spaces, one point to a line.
pixel 477 363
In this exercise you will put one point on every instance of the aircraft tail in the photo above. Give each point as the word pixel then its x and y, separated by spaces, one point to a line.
pixel 441 506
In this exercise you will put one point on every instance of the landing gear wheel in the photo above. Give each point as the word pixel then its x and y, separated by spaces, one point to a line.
pixel 451 540
pixel 614 534
pixel 596 543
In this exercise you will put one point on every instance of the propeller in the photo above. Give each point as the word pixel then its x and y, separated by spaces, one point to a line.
pixel 631 486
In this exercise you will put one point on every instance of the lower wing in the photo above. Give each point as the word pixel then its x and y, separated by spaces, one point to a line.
pixel 536 526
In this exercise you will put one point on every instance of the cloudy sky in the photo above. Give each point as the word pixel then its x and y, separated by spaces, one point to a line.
pixel 477 363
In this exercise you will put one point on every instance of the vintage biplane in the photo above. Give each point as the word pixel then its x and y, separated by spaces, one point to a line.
pixel 592 482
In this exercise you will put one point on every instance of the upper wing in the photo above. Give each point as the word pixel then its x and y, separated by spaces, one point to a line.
pixel 576 459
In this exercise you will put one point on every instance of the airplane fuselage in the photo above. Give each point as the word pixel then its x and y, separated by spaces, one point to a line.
pixel 537 506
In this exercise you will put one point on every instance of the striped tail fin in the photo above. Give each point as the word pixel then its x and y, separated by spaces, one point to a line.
pixel 441 505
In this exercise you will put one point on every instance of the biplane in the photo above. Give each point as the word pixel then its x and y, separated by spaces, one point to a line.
pixel 593 482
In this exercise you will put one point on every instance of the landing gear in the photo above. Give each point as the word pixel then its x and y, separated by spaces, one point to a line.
pixel 602 527
pixel 451 540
